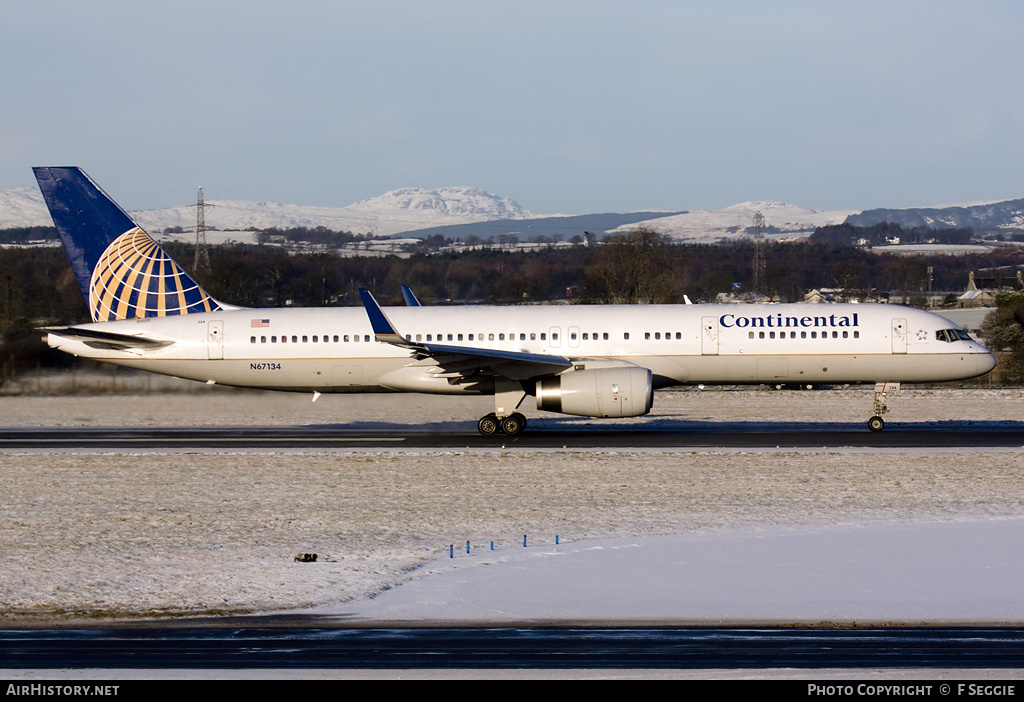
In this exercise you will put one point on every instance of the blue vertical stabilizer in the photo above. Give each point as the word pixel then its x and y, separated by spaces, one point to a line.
pixel 122 272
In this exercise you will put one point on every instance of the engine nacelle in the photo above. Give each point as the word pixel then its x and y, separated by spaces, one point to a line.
pixel 599 392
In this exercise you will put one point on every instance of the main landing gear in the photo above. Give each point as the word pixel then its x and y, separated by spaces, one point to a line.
pixel 876 423
pixel 512 425
pixel 508 395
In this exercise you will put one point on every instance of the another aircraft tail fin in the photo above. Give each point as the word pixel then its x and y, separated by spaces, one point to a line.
pixel 122 272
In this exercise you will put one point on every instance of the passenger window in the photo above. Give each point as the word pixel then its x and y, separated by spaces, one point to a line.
pixel 284 339
pixel 533 336
pixel 605 336
pixel 522 337
pixel 501 337
pixel 647 335
pixel 366 337
pixel 263 339
pixel 760 335
pixel 459 337
pixel 856 335
pixel 305 339
pixel 252 339
pixel 336 338
pixel 625 336
pixel 273 339
pixel 803 335
pixel 750 335
pixel 543 336
pixel 585 336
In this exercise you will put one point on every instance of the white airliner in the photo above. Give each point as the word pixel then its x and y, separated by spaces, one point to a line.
pixel 588 360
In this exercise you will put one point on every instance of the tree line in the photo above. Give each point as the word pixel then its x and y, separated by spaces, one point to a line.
pixel 643 266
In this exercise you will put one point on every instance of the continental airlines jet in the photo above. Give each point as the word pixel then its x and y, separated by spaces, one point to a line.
pixel 588 360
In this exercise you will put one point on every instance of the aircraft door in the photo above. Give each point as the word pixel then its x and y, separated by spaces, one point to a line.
pixel 899 336
pixel 215 340
pixel 709 336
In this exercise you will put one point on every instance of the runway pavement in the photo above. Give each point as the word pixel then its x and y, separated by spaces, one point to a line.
pixel 664 435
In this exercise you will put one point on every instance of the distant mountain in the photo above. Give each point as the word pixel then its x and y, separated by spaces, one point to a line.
pixel 781 220
pixel 1005 217
pixel 461 212
pixel 471 203
pixel 563 227
pixel 23 207
pixel 408 209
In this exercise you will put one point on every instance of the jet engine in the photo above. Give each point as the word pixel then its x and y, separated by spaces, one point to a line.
pixel 598 392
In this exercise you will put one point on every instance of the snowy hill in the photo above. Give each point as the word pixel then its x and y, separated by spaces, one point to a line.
pixel 407 209
pixel 471 203
pixel 414 210
pixel 707 226
pixel 984 217
pixel 23 207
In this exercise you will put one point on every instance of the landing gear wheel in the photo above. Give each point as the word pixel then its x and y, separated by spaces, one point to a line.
pixel 513 424
pixel 876 424
pixel 488 425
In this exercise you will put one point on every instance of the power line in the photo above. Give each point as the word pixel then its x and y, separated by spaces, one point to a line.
pixel 201 261
pixel 758 254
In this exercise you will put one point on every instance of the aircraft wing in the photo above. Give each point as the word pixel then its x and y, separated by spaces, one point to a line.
pixel 464 361
pixel 107 340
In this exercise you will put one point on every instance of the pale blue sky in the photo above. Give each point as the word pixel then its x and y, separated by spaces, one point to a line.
pixel 568 107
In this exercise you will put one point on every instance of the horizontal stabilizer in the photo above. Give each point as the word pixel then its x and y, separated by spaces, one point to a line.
pixel 108 340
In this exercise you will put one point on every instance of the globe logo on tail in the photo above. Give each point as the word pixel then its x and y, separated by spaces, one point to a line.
pixel 135 278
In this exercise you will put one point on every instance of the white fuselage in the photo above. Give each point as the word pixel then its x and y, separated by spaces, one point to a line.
pixel 334 349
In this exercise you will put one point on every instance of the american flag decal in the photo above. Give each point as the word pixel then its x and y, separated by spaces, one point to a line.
pixel 260 323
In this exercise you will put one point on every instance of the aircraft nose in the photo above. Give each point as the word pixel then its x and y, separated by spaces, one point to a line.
pixel 986 362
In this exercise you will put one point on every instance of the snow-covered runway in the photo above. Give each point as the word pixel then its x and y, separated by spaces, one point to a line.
pixel 695 535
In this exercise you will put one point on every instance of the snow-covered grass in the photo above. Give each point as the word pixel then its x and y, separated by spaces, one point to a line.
pixel 99 535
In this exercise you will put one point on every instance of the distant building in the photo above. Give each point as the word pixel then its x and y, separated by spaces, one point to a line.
pixel 975 297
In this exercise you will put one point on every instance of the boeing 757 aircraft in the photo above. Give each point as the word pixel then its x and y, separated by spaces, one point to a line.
pixel 587 360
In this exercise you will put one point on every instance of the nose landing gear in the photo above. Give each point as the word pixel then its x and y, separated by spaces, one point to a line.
pixel 876 423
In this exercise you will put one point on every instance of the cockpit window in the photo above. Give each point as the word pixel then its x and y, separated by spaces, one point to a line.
pixel 952 335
